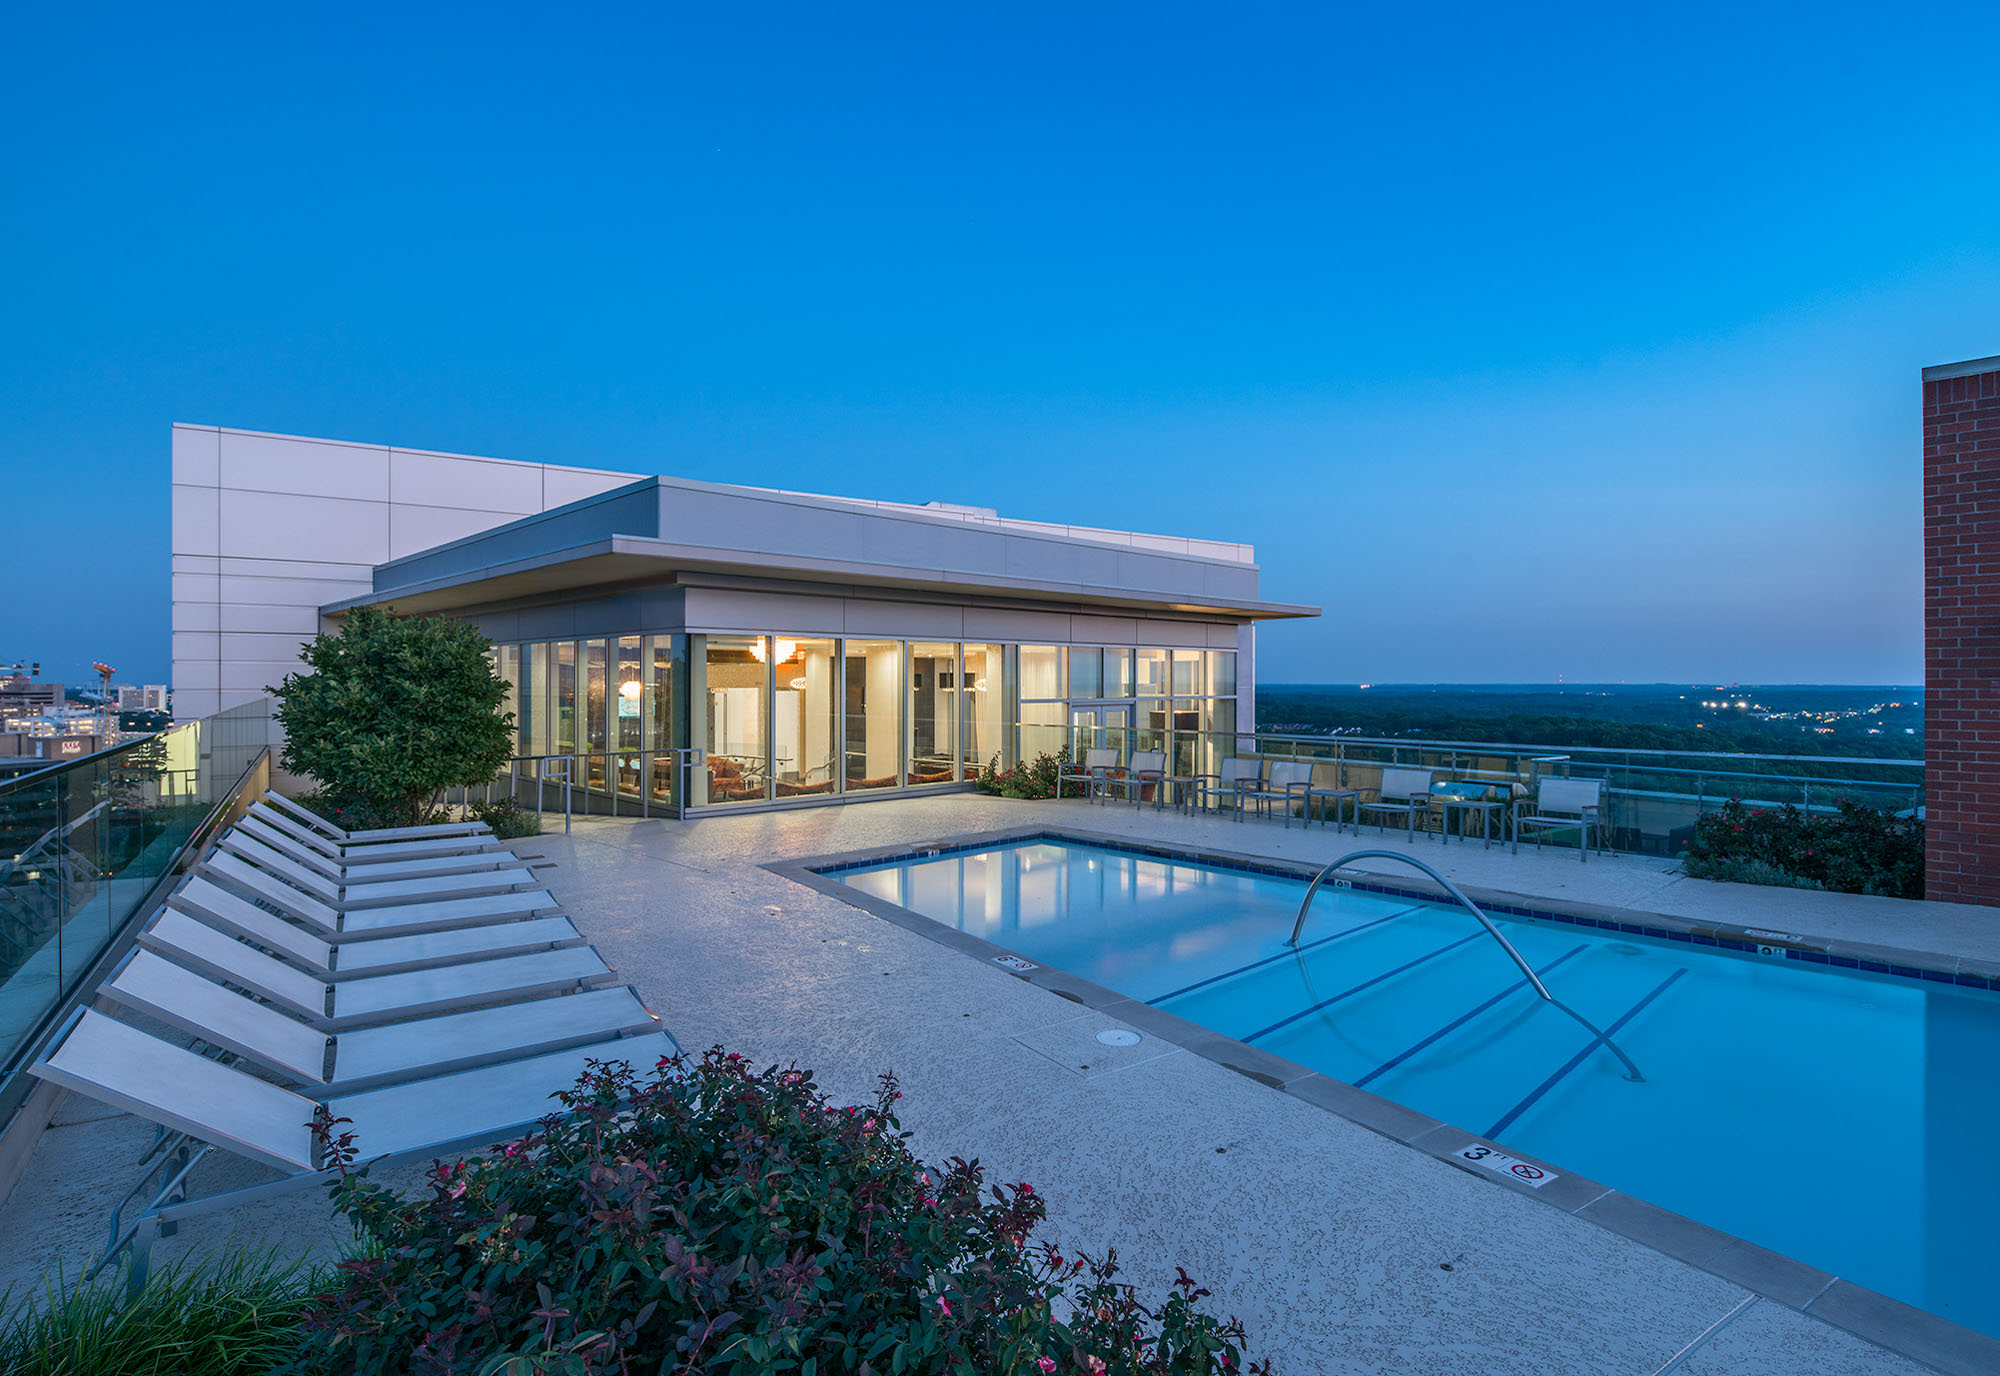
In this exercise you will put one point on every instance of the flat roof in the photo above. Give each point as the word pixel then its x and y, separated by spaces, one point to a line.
pixel 1972 367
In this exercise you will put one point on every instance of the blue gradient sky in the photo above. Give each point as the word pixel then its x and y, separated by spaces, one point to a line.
pixel 1576 340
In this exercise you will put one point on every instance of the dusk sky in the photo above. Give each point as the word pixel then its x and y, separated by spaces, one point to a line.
pixel 1528 341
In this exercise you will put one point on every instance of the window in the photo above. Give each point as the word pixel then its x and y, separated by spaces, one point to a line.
pixel 507 663
pixel 1041 672
pixel 933 717
pixel 872 744
pixel 803 716
pixel 738 741
pixel 1222 673
pixel 1086 676
pixel 984 693
pixel 564 735
pixel 1118 673
pixel 594 722
pixel 627 707
pixel 661 730
pixel 1188 673
pixel 1152 673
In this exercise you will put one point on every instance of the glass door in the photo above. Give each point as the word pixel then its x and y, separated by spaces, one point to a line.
pixel 1100 726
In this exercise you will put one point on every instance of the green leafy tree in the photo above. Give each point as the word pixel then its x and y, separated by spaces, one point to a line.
pixel 395 709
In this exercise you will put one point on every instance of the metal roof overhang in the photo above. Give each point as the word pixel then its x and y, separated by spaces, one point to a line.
pixel 625 560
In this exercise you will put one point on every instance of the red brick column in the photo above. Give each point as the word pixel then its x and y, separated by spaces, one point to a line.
pixel 1962 632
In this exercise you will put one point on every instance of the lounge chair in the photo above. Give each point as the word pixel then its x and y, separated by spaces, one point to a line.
pixel 258 837
pixel 330 957
pixel 1562 805
pixel 1239 776
pixel 369 835
pixel 301 1054
pixel 101 1058
pixel 1403 793
pixel 246 853
pixel 1147 770
pixel 367 853
pixel 234 873
pixel 371 1000
pixel 1285 786
pixel 1093 773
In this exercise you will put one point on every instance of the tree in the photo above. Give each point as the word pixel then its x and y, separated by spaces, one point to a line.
pixel 394 710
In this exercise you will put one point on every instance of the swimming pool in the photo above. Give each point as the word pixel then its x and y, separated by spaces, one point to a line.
pixel 1840 1117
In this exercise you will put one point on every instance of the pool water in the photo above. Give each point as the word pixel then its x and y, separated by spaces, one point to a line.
pixel 1842 1118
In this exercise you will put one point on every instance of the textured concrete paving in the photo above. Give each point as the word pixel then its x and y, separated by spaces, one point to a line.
pixel 1342 1250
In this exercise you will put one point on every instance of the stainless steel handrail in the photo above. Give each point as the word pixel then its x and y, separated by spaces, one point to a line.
pixel 1312 891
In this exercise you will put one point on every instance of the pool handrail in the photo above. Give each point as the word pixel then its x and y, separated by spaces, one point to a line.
pixel 1312 891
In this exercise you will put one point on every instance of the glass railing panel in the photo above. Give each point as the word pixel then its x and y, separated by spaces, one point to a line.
pixel 82 844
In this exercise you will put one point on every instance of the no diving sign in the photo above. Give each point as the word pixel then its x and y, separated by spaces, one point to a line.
pixel 1513 1167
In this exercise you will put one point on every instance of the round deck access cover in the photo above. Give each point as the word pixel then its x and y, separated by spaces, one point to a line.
pixel 1118 1036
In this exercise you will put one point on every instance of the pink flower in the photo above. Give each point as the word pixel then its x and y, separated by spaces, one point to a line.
pixel 458 1190
pixel 945 1305
pixel 1094 1365
pixel 1045 1364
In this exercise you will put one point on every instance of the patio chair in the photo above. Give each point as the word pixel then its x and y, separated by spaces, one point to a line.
pixel 403 919
pixel 301 1054
pixel 1403 793
pixel 1562 805
pixel 1286 784
pixel 188 1094
pixel 329 956
pixel 247 853
pixel 367 853
pixel 1092 773
pixel 251 831
pixel 1326 787
pixel 372 1000
pixel 1147 770
pixel 369 835
pixel 1239 774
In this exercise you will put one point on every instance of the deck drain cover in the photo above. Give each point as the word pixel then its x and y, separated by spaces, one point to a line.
pixel 1118 1036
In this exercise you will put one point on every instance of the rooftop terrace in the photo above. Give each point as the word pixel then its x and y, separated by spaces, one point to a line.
pixel 1342 1246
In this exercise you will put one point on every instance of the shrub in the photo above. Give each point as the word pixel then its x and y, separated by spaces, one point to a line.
pixel 507 818
pixel 234 1314
pixel 349 813
pixel 1036 778
pixel 708 1218
pixel 1858 850
pixel 395 710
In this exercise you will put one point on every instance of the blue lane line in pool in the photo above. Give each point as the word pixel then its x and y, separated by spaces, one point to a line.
pixel 1516 987
pixel 1507 1119
pixel 1365 984
pixel 1289 951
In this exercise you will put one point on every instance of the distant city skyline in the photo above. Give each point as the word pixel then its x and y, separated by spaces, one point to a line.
pixel 1527 347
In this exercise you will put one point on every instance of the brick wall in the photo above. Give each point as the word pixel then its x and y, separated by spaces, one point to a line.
pixel 1962 631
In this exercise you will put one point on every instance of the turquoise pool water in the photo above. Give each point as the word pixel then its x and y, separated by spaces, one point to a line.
pixel 1843 1118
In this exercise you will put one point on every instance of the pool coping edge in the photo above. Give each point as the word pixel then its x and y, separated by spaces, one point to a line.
pixel 1901 1328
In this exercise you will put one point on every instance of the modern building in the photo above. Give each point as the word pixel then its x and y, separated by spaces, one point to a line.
pixel 675 641
pixel 151 697
pixel 1962 631
pixel 25 696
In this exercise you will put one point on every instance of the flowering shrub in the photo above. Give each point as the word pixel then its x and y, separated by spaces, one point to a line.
pixel 1860 850
pixel 1034 778
pixel 712 1219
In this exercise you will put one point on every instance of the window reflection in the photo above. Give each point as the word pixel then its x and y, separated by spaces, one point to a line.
pixel 984 695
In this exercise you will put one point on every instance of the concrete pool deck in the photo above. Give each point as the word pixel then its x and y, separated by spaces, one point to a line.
pixel 1341 1249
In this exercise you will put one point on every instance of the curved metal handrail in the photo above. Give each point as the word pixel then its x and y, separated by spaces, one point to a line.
pixel 1312 891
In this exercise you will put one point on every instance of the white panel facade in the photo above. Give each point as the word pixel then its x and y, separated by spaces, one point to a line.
pixel 269 528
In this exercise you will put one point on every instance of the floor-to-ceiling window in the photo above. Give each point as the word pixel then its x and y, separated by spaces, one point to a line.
pixel 983 692
pixel 564 733
pixel 804 717
pixel 507 664
pixel 596 728
pixel 736 682
pixel 661 724
pixel 934 743
pixel 627 719
pixel 872 674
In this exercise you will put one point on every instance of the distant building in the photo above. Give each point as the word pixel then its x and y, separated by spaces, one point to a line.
pixel 152 697
pixel 23 745
pixel 1962 631
pixel 22 696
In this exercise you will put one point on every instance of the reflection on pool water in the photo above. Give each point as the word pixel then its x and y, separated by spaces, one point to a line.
pixel 1839 1117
